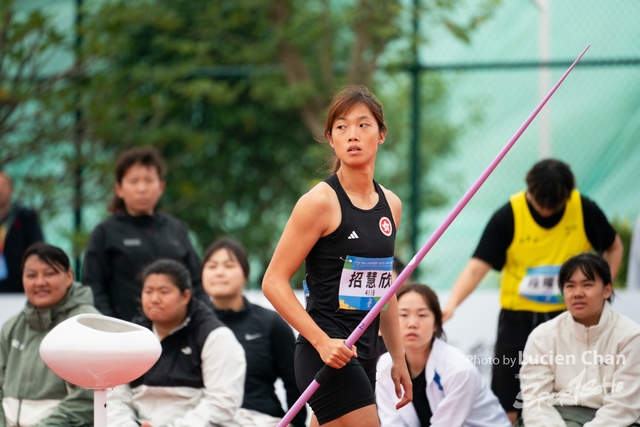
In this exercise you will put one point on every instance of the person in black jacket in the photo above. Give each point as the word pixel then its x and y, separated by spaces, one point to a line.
pixel 19 229
pixel 134 236
pixel 267 339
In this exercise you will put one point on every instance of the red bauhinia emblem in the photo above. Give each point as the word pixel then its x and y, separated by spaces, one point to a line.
pixel 385 226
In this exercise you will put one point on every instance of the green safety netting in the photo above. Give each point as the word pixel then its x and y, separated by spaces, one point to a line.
pixel 592 122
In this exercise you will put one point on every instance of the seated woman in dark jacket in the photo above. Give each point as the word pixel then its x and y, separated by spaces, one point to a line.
pixel 267 339
pixel 198 380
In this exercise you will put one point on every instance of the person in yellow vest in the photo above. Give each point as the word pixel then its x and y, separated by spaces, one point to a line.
pixel 529 238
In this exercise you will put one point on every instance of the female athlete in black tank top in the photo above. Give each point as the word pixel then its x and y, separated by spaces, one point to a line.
pixel 365 234
pixel 344 230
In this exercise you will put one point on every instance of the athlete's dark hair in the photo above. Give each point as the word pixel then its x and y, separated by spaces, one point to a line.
pixel 432 301
pixel 550 182
pixel 344 101
pixel 146 156
pixel 591 265
pixel 233 248
pixel 175 271
pixel 51 255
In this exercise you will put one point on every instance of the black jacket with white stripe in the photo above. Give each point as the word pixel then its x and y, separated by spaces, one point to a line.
pixel 197 382
pixel 268 343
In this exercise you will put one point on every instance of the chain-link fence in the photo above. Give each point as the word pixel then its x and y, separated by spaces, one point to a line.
pixel 493 84
pixel 592 122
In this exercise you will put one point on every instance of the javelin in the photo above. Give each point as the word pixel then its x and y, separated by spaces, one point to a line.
pixel 326 370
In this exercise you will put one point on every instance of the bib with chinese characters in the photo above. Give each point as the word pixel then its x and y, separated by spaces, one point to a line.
pixel 540 284
pixel 364 281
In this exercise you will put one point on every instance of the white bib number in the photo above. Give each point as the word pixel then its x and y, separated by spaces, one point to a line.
pixel 364 281
pixel 540 284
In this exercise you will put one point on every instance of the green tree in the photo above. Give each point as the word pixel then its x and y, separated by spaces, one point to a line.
pixel 33 121
pixel 232 94
pixel 236 163
pixel 323 45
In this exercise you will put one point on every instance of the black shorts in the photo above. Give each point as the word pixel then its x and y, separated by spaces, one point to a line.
pixel 347 389
pixel 514 328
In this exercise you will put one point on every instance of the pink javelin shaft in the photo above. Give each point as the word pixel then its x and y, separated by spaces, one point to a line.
pixel 326 369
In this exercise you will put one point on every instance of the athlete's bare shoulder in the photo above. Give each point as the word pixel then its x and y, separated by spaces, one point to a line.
pixel 321 196
pixel 391 197
pixel 319 209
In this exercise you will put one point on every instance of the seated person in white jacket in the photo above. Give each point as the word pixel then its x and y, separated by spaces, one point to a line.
pixel 583 365
pixel 447 389
pixel 199 379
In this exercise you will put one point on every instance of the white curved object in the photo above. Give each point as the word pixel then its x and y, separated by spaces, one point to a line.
pixel 98 352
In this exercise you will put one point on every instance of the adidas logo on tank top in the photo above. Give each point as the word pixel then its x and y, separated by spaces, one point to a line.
pixel 353 235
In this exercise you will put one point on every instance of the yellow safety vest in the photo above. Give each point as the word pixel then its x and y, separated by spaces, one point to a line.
pixel 536 254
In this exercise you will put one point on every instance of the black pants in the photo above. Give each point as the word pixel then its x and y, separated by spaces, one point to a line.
pixel 347 389
pixel 514 328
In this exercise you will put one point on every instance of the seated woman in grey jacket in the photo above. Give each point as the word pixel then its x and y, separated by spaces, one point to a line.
pixel 32 395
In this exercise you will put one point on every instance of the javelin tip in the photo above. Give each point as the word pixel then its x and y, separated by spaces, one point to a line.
pixel 583 52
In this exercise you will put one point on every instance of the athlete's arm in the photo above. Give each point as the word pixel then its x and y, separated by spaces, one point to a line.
pixel 313 217
pixel 390 327
pixel 602 235
pixel 466 283
pixel 613 255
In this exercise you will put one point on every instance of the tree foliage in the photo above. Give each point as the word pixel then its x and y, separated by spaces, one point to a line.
pixel 172 77
pixel 233 94
pixel 34 120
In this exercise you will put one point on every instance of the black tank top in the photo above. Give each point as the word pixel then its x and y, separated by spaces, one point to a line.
pixel 420 400
pixel 361 233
